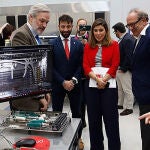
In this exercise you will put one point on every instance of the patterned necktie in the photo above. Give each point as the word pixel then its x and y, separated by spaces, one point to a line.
pixel 67 48
pixel 38 40
pixel 135 44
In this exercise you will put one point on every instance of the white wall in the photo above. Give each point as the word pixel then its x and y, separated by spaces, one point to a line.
pixel 120 8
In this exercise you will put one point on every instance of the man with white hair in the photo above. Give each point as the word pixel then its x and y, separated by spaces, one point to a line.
pixel 37 20
pixel 28 34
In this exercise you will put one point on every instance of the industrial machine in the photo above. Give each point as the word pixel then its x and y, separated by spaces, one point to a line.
pixel 25 71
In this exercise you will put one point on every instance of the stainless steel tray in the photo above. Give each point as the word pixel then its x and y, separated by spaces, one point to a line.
pixel 32 121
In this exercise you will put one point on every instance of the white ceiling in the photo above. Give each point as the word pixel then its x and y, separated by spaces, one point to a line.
pixel 61 6
pixel 7 3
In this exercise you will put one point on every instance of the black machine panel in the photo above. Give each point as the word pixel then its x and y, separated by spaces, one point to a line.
pixel 11 20
pixel 25 71
pixel 22 19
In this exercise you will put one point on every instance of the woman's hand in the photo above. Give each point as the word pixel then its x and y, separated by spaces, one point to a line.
pixel 100 83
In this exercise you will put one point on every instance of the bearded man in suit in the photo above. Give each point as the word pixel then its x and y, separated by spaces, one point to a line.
pixel 67 67
pixel 37 20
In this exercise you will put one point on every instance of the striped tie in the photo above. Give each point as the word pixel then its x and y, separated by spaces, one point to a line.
pixel 38 40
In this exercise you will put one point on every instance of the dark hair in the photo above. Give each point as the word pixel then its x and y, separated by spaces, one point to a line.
pixel 7 31
pixel 107 39
pixel 66 18
pixel 119 27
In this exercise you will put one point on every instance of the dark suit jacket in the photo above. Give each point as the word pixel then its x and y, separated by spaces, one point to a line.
pixel 65 69
pixel 126 47
pixel 141 69
pixel 23 36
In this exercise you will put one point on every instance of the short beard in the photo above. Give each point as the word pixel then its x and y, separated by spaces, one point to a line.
pixel 66 35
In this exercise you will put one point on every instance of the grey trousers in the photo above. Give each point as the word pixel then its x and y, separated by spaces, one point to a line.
pixel 125 95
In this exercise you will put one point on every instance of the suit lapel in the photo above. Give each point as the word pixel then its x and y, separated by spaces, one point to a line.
pixel 137 49
pixel 142 39
pixel 61 47
pixel 72 46
pixel 30 34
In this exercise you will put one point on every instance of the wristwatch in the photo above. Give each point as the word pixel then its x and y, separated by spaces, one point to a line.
pixel 74 80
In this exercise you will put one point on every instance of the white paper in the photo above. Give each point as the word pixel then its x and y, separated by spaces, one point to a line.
pixel 101 71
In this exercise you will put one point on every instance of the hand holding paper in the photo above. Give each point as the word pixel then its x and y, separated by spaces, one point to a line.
pixel 101 71
pixel 100 83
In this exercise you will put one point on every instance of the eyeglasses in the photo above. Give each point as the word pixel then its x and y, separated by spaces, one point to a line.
pixel 133 24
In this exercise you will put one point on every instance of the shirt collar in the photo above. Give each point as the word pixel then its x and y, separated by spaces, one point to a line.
pixel 121 37
pixel 143 32
pixel 32 30
pixel 62 38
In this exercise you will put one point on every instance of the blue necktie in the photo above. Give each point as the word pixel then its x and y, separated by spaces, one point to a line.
pixel 38 40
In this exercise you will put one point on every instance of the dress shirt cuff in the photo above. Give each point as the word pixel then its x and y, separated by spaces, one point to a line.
pixel 75 81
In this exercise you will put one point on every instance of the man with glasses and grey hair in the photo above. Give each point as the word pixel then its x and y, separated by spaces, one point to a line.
pixel 28 34
pixel 137 22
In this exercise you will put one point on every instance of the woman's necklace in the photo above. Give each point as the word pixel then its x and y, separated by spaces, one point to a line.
pixel 99 45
